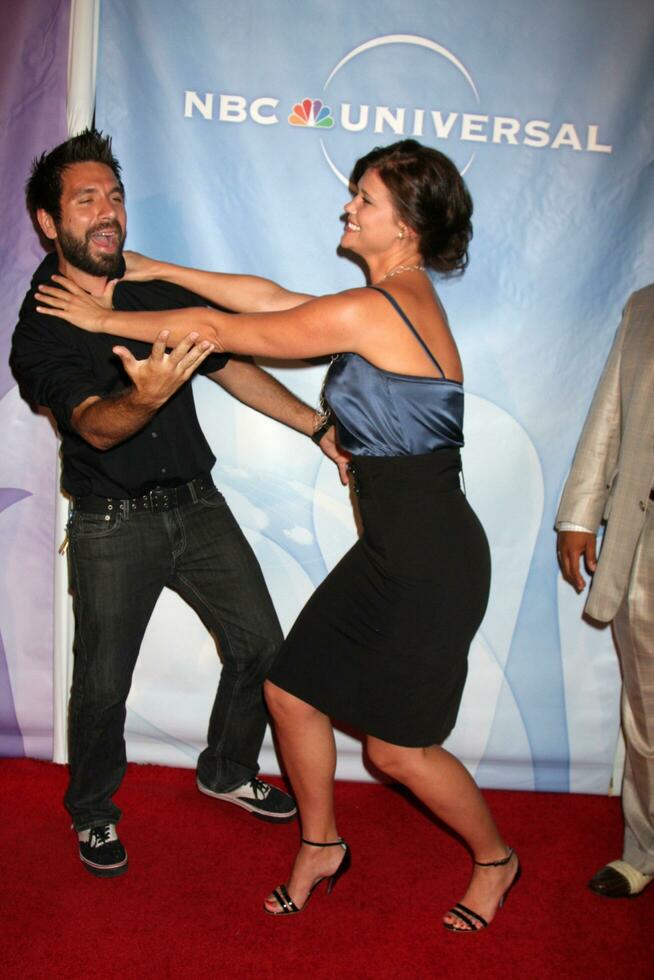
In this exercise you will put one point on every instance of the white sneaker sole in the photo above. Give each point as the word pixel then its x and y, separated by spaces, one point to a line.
pixel 250 807
pixel 104 870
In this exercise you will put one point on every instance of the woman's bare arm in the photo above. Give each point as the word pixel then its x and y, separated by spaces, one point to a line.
pixel 244 294
pixel 326 325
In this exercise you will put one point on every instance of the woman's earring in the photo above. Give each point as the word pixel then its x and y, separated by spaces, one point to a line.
pixel 400 233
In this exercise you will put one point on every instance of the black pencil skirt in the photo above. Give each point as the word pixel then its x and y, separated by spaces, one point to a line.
pixel 382 644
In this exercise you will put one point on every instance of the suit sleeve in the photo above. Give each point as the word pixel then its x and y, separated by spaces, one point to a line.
pixel 594 465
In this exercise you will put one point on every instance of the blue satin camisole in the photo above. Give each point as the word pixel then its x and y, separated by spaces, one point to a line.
pixel 381 413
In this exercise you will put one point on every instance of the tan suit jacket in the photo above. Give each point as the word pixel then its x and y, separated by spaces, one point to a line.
pixel 613 468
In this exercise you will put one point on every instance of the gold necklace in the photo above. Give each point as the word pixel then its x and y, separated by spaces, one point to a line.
pixel 401 268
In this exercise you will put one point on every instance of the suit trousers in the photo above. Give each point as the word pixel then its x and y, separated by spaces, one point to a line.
pixel 633 629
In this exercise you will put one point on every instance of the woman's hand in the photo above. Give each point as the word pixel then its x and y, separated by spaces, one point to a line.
pixel 333 451
pixel 73 304
pixel 139 268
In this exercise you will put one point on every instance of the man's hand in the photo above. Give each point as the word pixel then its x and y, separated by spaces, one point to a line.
pixel 570 546
pixel 158 376
pixel 104 422
pixel 331 449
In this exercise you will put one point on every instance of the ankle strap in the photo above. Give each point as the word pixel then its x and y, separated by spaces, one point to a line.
pixel 329 843
pixel 495 864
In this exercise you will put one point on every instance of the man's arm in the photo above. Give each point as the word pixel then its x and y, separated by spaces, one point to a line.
pixel 259 390
pixel 105 422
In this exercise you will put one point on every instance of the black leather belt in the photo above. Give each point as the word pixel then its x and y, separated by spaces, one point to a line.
pixel 154 501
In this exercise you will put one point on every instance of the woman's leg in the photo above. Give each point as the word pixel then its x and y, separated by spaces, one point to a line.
pixel 306 741
pixel 441 782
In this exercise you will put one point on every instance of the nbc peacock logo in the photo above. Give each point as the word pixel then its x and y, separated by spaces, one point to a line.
pixel 311 113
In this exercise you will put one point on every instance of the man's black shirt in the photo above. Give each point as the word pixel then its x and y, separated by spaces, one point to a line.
pixel 59 366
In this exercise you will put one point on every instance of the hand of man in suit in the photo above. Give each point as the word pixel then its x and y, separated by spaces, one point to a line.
pixel 570 546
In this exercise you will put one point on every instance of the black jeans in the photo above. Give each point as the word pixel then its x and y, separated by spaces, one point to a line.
pixel 118 568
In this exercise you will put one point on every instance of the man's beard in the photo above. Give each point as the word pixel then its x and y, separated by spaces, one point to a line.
pixel 77 251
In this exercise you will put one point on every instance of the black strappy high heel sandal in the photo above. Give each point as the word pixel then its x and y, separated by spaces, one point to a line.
pixel 286 904
pixel 472 919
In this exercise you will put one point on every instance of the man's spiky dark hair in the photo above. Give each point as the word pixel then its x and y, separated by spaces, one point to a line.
pixel 44 186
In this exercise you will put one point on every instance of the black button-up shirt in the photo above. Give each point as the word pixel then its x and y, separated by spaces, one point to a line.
pixel 59 366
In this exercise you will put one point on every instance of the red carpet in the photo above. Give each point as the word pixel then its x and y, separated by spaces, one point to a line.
pixel 190 904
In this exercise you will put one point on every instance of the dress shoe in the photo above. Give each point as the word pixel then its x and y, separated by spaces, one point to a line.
pixel 619 880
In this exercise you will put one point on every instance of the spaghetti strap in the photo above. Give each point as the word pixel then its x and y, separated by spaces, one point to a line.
pixel 391 299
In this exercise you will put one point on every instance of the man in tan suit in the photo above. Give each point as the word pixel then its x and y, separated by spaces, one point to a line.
pixel 611 481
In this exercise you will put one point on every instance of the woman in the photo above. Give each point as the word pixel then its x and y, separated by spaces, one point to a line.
pixel 383 642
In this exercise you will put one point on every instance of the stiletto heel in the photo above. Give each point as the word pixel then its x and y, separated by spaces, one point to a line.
pixel 475 922
pixel 284 901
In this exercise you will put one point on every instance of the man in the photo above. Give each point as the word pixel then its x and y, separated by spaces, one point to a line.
pixel 145 513
pixel 611 480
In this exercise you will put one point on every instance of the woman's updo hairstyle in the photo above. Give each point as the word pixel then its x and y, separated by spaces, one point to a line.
pixel 428 194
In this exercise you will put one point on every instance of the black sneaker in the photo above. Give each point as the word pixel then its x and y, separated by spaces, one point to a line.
pixel 258 798
pixel 101 851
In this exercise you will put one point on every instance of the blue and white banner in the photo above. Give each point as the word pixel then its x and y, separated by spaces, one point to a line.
pixel 237 127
